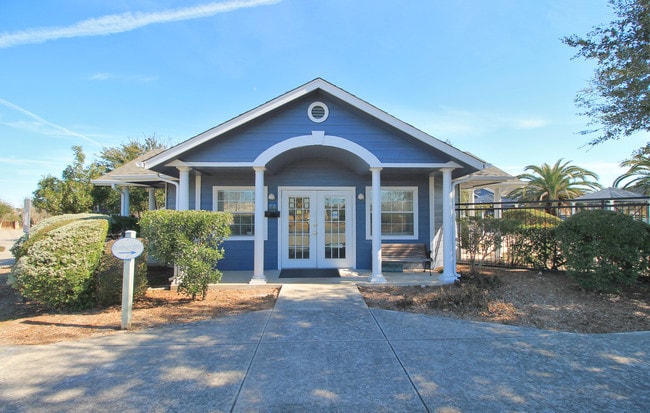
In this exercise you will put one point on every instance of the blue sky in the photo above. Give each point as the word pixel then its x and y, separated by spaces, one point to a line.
pixel 489 76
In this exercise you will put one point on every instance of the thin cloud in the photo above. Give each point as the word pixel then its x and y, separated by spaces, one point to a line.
pixel 102 76
pixel 120 23
pixel 42 125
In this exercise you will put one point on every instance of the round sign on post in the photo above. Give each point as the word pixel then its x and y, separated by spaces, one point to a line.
pixel 127 248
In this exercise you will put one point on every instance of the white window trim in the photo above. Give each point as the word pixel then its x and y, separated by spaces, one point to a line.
pixel 416 218
pixel 215 190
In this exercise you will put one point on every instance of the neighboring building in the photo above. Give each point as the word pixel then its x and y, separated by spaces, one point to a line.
pixel 303 175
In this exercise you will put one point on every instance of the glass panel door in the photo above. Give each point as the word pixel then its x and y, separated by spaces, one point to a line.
pixel 335 234
pixel 299 231
pixel 317 229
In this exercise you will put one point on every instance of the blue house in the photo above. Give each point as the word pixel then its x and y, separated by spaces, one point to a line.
pixel 304 176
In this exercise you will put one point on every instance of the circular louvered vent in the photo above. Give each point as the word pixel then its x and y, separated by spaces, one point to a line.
pixel 318 112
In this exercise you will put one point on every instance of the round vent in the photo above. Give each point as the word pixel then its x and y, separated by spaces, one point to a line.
pixel 318 112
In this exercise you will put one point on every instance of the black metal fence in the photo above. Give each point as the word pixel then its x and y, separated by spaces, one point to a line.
pixel 532 244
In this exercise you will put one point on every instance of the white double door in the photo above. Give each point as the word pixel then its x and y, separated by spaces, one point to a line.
pixel 317 228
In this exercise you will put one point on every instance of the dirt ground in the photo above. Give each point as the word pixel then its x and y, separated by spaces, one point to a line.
pixel 547 300
pixel 524 298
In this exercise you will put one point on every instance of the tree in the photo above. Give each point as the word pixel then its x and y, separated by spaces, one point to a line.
pixel 191 240
pixel 617 98
pixel 111 158
pixel 557 182
pixel 6 212
pixel 71 194
pixel 638 173
pixel 74 192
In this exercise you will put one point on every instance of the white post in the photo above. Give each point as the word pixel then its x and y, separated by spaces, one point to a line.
pixel 377 276
pixel 448 229
pixel 126 202
pixel 197 191
pixel 498 209
pixel 152 198
pixel 27 215
pixel 258 259
pixel 183 188
pixel 127 287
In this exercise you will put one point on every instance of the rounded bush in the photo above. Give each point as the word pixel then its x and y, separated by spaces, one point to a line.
pixel 604 249
pixel 109 277
pixel 57 268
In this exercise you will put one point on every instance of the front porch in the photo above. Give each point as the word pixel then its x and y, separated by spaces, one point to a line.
pixel 239 279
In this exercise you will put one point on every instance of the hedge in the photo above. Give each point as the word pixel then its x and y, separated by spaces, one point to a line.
pixel 604 250
pixel 55 267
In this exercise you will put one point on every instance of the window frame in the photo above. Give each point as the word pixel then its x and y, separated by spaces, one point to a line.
pixel 215 199
pixel 416 218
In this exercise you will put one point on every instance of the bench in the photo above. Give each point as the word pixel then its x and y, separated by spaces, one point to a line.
pixel 404 253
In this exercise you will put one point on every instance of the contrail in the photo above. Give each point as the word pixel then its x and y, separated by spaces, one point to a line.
pixel 54 126
pixel 119 23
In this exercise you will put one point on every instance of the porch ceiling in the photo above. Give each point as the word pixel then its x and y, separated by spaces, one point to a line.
pixel 319 153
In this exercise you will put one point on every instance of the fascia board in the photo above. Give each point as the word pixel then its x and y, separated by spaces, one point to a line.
pixel 302 91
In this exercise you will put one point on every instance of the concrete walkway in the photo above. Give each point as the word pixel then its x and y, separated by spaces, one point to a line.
pixel 7 239
pixel 322 350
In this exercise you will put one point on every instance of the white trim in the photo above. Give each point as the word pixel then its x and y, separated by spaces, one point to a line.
pixel 422 165
pixel 297 93
pixel 325 115
pixel 316 138
pixel 416 214
pixel 217 188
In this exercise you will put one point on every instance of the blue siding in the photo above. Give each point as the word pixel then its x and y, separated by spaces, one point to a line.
pixel 313 173
pixel 247 142
pixel 314 168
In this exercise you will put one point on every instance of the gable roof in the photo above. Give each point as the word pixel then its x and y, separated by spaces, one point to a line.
pixel 491 177
pixel 132 174
pixel 322 85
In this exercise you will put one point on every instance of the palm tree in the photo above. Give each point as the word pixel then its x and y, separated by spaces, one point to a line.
pixel 639 172
pixel 558 182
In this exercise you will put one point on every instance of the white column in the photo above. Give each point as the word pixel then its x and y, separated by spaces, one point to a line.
pixel 377 276
pixel 258 259
pixel 152 198
pixel 125 201
pixel 197 191
pixel 183 188
pixel 498 208
pixel 448 228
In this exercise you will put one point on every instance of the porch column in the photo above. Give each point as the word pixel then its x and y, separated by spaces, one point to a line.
pixel 183 188
pixel 448 229
pixel 377 276
pixel 152 198
pixel 498 209
pixel 258 259
pixel 125 202
pixel 197 191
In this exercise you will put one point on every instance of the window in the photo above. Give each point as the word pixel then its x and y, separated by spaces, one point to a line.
pixel 399 218
pixel 240 203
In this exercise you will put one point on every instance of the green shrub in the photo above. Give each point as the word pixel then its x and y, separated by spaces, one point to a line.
pixel 480 237
pixel 57 268
pixel 533 242
pixel 40 230
pixel 531 217
pixel 604 249
pixel 109 277
pixel 190 240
